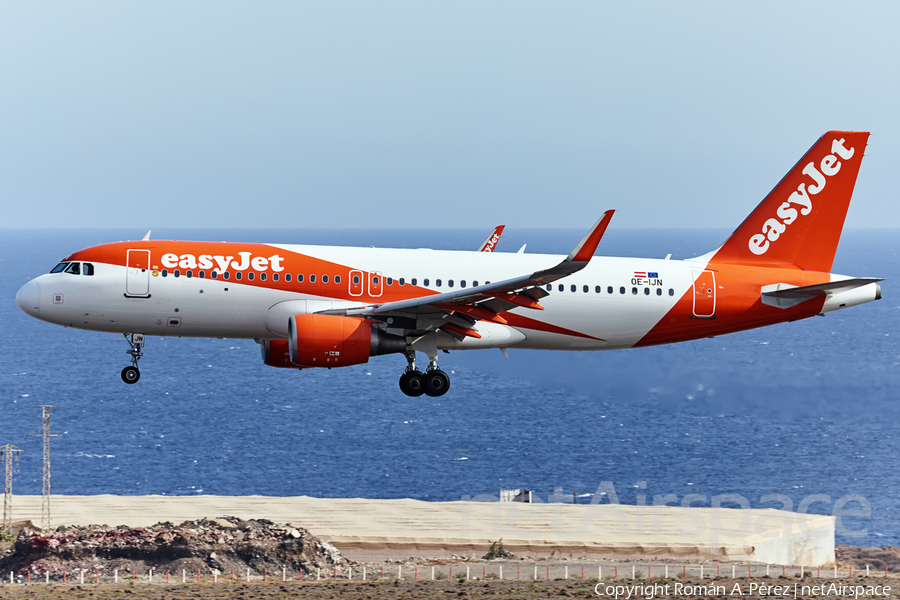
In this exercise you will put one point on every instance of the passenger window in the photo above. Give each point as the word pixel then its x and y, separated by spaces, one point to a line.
pixel 299 277
pixel 646 291
pixel 598 289
pixel 549 287
pixel 402 281
pixel 87 269
pixel 634 291
pixel 389 280
pixel 374 280
pixel 202 274
pixel 238 275
pixel 573 288
pixel 74 268
pixel 659 291
pixel 450 283
pixel 356 280
pixel 562 288
pixel 462 283
pixel 189 273
pixel 177 273
pixel 324 278
pixel 438 283
pixel 214 274
pixel 414 281
pixel 425 282
pixel 585 289
pixel 609 290
pixel 671 292
pixel 262 276
pixel 622 290
pixel 287 277
pixel 475 283
pixel 251 276
pixel 337 278
pixel 165 273
pixel 227 274
pixel 59 268
pixel 312 278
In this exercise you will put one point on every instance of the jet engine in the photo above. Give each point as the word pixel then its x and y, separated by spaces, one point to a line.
pixel 277 353
pixel 333 341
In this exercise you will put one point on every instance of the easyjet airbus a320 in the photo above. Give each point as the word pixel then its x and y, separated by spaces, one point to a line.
pixel 324 306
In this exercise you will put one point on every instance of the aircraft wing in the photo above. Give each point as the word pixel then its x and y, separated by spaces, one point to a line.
pixel 486 302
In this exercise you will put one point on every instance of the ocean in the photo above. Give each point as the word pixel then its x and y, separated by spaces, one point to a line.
pixel 803 415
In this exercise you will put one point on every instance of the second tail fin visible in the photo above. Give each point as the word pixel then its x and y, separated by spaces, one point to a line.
pixel 799 223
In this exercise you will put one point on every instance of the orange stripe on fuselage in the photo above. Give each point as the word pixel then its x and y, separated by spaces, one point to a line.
pixel 738 305
pixel 291 262
pixel 529 323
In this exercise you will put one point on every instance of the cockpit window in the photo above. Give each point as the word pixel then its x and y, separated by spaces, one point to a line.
pixel 74 268
pixel 60 267
pixel 87 269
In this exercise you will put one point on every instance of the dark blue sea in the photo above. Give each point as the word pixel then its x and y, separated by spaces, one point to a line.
pixel 807 412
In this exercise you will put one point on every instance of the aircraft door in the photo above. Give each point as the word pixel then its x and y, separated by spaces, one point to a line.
pixel 356 283
pixel 704 294
pixel 137 274
pixel 375 284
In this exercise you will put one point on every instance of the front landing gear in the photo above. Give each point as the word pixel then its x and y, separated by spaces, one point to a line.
pixel 132 374
pixel 433 381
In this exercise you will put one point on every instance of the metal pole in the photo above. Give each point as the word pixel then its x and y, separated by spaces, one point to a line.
pixel 10 456
pixel 46 433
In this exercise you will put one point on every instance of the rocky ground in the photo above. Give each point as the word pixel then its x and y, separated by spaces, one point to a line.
pixel 226 545
pixel 210 545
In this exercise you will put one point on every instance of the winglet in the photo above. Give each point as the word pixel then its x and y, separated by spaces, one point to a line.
pixel 147 237
pixel 491 242
pixel 588 245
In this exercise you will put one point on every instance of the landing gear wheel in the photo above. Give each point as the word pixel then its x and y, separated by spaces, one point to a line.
pixel 130 375
pixel 436 382
pixel 412 384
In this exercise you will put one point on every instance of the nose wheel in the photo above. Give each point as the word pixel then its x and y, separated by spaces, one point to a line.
pixel 132 374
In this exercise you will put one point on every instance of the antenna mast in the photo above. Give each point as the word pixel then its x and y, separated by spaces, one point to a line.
pixel 46 433
pixel 9 454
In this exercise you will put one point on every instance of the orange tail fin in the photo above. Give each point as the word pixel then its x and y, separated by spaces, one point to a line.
pixel 799 223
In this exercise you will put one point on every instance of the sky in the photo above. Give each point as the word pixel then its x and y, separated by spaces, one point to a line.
pixel 434 114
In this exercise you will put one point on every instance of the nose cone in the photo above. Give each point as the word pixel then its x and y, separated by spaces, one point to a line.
pixel 29 298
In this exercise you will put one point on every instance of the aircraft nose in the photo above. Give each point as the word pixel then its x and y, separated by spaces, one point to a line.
pixel 29 298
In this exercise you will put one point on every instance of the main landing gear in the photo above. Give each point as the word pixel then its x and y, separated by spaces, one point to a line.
pixel 132 374
pixel 432 382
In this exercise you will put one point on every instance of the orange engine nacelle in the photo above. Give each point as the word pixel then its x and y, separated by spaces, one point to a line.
pixel 334 341
pixel 277 353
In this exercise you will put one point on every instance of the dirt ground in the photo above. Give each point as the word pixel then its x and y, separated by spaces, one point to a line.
pixel 411 590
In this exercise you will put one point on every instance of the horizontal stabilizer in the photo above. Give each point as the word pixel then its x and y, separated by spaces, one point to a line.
pixel 784 295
